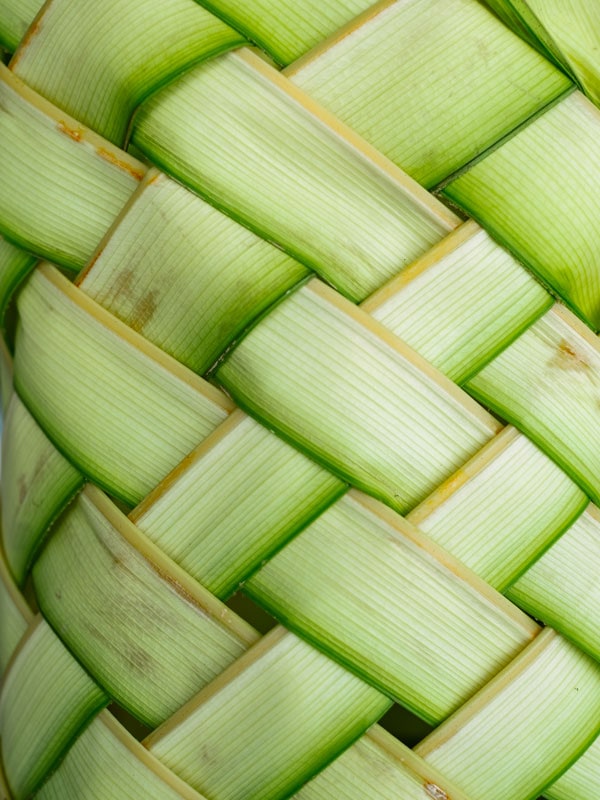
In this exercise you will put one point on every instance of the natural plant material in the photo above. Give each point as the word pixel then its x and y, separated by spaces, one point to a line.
pixel 300 385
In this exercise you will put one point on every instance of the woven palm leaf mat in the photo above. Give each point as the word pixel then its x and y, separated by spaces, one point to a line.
pixel 300 302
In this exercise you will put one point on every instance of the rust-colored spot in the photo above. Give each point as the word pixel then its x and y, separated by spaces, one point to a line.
pixel 137 172
pixel 567 357
pixel 123 285
pixel 31 33
pixel 566 348
pixel 84 272
pixel 433 790
pixel 143 311
pixel 73 133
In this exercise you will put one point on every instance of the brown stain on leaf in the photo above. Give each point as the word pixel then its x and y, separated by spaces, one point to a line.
pixel 31 33
pixel 24 485
pixel 73 133
pixel 123 284
pixel 136 172
pixel 136 309
pixel 88 267
pixel 143 311
pixel 120 643
pixel 567 357
pixel 140 660
pixel 436 792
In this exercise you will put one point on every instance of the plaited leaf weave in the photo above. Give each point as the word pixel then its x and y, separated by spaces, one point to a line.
pixel 300 305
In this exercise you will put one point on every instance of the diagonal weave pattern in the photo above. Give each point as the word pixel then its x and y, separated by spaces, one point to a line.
pixel 300 301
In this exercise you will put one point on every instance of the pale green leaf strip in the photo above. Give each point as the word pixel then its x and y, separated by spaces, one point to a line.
pixel 238 132
pixel 287 28
pixel 151 640
pixel 62 185
pixel 547 384
pixel 502 510
pixel 541 34
pixel 580 781
pixel 378 765
pixel 571 30
pixel 37 482
pixel 455 77
pixel 562 588
pixel 123 53
pixel 185 275
pixel 461 303
pixel 265 726
pixel 505 10
pixel 93 384
pixel 106 762
pixel 546 704
pixel 236 500
pixel 46 700
pixel 14 613
pixel 566 31
pixel 539 192
pixel 15 17
pixel 366 587
pixel 14 265
pixel 341 402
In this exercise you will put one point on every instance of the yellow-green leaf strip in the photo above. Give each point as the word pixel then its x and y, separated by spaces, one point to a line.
pixel 63 185
pixel 123 412
pixel 46 700
pixel 566 31
pixel 340 402
pixel 502 509
pixel 580 781
pixel 562 587
pixel 239 133
pixel 538 193
pixel 15 18
pixel 37 483
pixel 14 266
pixel 186 276
pixel 123 54
pixel 460 81
pixel 147 632
pixel 547 383
pixel 106 762
pixel 287 28
pixel 378 765
pixel 367 588
pixel 14 613
pixel 546 704
pixel 235 739
pixel 233 502
pixel 460 304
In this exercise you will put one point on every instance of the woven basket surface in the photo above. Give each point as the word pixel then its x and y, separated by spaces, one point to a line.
pixel 301 400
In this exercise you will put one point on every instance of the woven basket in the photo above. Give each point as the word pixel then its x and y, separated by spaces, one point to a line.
pixel 301 390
